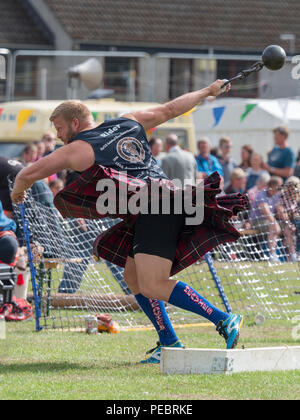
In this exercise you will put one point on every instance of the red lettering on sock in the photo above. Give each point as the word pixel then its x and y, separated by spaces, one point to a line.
pixel 157 314
pixel 193 296
pixel 188 291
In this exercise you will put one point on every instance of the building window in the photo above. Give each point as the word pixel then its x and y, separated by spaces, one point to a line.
pixel 2 90
pixel 181 77
pixel 226 69
pixel 26 77
pixel 121 75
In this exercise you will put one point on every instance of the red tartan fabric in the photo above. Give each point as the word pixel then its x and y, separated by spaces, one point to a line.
pixel 79 200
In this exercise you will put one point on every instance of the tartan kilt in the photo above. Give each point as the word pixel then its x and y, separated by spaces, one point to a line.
pixel 79 200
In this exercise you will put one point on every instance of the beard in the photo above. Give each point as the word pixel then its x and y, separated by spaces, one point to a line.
pixel 70 135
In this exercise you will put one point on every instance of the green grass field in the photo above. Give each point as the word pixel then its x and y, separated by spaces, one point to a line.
pixel 54 365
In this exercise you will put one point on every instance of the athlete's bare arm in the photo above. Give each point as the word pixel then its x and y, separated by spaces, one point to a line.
pixel 153 117
pixel 78 156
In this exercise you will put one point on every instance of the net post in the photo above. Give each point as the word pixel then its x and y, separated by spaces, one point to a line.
pixel 32 268
pixel 216 278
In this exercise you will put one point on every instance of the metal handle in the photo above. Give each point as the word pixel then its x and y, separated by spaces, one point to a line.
pixel 245 73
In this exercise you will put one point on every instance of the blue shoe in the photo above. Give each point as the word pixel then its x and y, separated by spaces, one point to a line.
pixel 156 353
pixel 230 330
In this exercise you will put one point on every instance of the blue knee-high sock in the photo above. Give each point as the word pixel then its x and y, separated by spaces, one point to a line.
pixel 156 312
pixel 185 297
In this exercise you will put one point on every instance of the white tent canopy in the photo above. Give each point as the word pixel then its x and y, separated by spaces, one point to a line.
pixel 248 121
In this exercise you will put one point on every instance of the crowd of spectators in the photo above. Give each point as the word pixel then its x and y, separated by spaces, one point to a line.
pixel 272 185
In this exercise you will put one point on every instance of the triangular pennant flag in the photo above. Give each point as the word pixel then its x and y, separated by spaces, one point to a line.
pixel 283 103
pixel 150 131
pixel 218 113
pixel 95 115
pixel 249 108
pixel 23 117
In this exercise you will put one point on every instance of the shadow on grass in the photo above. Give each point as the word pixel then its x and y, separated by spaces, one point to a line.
pixel 40 367
pixel 44 367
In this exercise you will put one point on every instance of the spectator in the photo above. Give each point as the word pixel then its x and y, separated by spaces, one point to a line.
pixel 29 154
pixel 282 159
pixel 297 167
pixel 215 151
pixel 41 149
pixel 179 164
pixel 49 140
pixel 206 162
pixel 263 214
pixel 18 308
pixel 261 184
pixel 227 162
pixel 238 181
pixel 8 241
pixel 290 217
pixel 56 186
pixel 246 154
pixel 156 146
pixel 255 171
pixel 8 168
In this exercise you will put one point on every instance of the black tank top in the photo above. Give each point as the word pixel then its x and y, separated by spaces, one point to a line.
pixel 122 144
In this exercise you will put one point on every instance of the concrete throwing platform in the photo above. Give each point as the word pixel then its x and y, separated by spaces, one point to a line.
pixel 209 361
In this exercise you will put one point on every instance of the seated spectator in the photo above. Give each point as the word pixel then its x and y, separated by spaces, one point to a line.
pixel 18 309
pixel 255 171
pixel 227 162
pixel 282 159
pixel 246 153
pixel 206 162
pixel 9 168
pixel 261 184
pixel 263 214
pixel 156 146
pixel 8 241
pixel 238 181
pixel 29 154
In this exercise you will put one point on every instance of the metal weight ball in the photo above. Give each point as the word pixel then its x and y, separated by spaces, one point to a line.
pixel 273 57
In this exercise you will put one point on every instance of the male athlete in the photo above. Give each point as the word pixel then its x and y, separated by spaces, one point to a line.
pixel 121 145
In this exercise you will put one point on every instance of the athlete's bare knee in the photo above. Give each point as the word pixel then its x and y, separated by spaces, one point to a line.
pixel 152 289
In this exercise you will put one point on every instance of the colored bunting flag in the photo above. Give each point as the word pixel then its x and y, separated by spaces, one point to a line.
pixel 95 115
pixel 218 113
pixel 249 108
pixel 283 103
pixel 189 112
pixel 23 117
